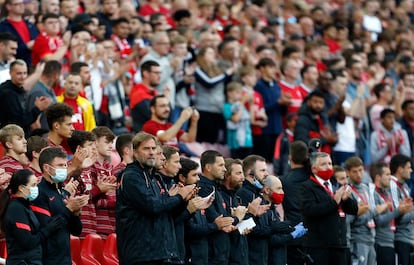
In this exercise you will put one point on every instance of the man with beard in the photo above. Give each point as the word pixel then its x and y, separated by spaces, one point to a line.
pixel 83 118
pixel 169 133
pixel 233 181
pixel 143 213
pixel 44 87
pixel 141 94
pixel 312 122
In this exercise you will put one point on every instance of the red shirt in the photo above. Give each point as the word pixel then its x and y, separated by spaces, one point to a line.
pixel 77 117
pixel 140 92
pixel 147 10
pixel 10 164
pixel 296 95
pixel 156 128
pixel 21 28
pixel 258 106
pixel 122 46
pixel 45 45
pixel 37 174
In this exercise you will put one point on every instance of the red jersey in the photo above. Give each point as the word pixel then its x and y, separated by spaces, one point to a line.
pixel 45 45
pixel 21 28
pixel 258 106
pixel 304 90
pixel 37 174
pixel 148 10
pixel 77 117
pixel 155 128
pixel 122 46
pixel 10 164
pixel 296 95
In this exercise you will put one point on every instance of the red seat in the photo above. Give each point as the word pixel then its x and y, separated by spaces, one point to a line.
pixel 110 252
pixel 3 249
pixel 75 250
pixel 91 252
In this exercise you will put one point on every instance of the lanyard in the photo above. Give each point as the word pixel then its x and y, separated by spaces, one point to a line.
pixel 401 187
pixel 362 196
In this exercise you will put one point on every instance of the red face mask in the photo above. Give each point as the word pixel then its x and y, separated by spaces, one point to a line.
pixel 325 174
pixel 277 198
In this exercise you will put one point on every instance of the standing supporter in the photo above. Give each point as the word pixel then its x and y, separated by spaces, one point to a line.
pixel 103 186
pixel 209 85
pixel 24 235
pixel 13 107
pixel 389 139
pixel 108 13
pixel 258 117
pixel 290 69
pixel 169 133
pixel 159 53
pixel 8 51
pixel 83 117
pixel 35 144
pixel 142 94
pixel 383 93
pixel 385 224
pixel 371 21
pixel 123 146
pixel 400 167
pixel 346 145
pixel 333 103
pixel 273 193
pixel 120 31
pixel 362 224
pixel 54 201
pixel 85 141
pixel 23 30
pixel 153 7
pixel 84 71
pixel 69 9
pixel 325 210
pixel 15 145
pixel 282 145
pixel 50 6
pixel 45 87
pixel 213 169
pixel 275 103
pixel 233 181
pixel 239 134
pixel 298 173
pixel 229 52
pixel 312 122
pixel 49 45
pixel 313 54
pixel 309 75
pixel 143 214
pixel 59 120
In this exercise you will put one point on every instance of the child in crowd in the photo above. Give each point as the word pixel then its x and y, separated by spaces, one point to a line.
pixel 35 144
pixel 105 181
pixel 15 145
pixel 239 134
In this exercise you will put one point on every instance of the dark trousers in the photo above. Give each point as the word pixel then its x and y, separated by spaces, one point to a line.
pixel 294 257
pixel 404 251
pixel 240 153
pixel 385 255
pixel 211 128
pixel 160 262
pixel 328 256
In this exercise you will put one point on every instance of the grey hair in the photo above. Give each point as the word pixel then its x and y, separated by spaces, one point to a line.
pixel 269 181
pixel 314 157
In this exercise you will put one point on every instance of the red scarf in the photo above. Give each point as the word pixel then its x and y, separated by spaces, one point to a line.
pixel 393 150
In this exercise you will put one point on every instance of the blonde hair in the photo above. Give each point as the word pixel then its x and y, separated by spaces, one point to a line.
pixel 8 131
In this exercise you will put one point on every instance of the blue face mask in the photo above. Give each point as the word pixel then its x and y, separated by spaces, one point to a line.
pixel 34 192
pixel 60 175
pixel 257 184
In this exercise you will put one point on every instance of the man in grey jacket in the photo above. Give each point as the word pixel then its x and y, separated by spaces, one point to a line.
pixel 385 222
pixel 362 225
pixel 400 166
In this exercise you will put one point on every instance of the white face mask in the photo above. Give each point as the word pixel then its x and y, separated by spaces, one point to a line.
pixel 60 174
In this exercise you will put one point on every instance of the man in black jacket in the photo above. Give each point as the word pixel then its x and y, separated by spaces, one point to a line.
pixel 54 201
pixel 297 174
pixel 324 213
pixel 213 169
pixel 13 102
pixel 197 229
pixel 144 222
